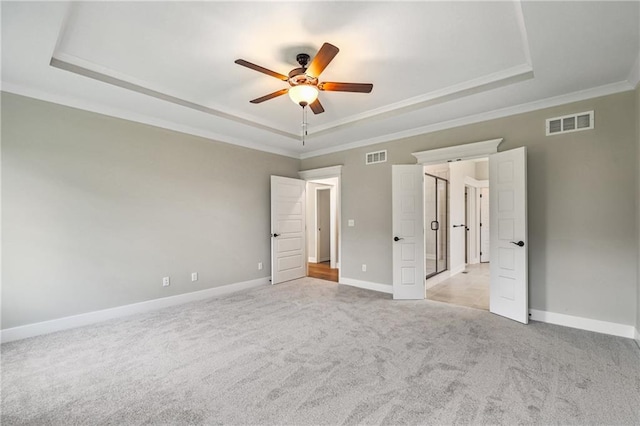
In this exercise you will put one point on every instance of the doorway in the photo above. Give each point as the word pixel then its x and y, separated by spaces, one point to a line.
pixel 467 280
pixel 323 222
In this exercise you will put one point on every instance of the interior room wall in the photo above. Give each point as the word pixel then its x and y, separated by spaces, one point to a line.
pixel 457 172
pixel 581 205
pixel 482 170
pixel 96 210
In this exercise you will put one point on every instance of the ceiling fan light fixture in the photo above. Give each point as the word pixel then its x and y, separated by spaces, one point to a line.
pixel 303 94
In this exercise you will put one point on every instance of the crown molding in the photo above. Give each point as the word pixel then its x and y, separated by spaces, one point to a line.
pixel 467 151
pixel 322 173
pixel 467 88
pixel 596 92
pixel 139 118
pixel 96 72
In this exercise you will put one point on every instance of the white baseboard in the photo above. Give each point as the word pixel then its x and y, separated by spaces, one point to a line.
pixel 638 337
pixel 457 270
pixel 588 324
pixel 435 280
pixel 324 259
pixel 45 327
pixel 383 288
pixel 312 260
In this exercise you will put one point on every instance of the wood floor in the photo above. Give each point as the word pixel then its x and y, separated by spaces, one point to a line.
pixel 323 271
pixel 469 288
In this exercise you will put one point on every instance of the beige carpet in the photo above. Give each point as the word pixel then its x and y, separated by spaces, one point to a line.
pixel 312 352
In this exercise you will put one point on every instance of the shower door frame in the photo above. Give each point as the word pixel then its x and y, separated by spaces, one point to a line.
pixel 427 227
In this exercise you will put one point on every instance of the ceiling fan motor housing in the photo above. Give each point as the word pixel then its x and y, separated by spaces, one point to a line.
pixel 298 76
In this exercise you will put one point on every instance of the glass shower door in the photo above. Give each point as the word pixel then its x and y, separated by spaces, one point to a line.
pixel 435 208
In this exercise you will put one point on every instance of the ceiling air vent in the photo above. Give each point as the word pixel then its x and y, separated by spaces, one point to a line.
pixel 570 123
pixel 376 157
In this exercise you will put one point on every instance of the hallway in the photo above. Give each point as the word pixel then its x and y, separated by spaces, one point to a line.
pixel 469 288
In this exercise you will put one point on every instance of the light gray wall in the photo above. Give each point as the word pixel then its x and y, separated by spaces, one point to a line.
pixel 96 210
pixel 581 201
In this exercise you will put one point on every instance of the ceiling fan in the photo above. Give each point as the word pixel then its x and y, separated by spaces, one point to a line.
pixel 304 80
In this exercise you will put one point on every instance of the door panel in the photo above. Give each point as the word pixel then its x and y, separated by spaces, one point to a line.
pixel 408 233
pixel 287 229
pixel 508 235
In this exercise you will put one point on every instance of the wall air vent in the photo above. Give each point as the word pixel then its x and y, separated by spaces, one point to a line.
pixel 376 157
pixel 570 123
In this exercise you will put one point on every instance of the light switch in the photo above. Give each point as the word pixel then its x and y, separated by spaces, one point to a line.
pixel 352 222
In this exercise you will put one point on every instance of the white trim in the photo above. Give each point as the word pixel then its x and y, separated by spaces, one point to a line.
pixel 139 118
pixel 458 270
pixel 596 92
pixel 323 173
pixel 382 288
pixel 312 260
pixel 637 337
pixel 45 327
pixel 458 152
pixel 581 323
pixel 325 259
pixel 484 83
pixel 437 279
pixel 331 172
pixel 468 180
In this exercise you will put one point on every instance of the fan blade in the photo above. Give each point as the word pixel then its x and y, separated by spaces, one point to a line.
pixel 316 107
pixel 269 96
pixel 325 55
pixel 345 87
pixel 261 69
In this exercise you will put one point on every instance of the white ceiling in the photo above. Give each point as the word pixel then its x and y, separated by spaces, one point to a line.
pixel 433 64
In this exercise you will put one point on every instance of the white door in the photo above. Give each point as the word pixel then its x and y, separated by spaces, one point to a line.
pixel 287 229
pixel 485 226
pixel 509 293
pixel 408 232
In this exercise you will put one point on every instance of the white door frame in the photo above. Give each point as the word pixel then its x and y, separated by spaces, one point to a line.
pixel 468 152
pixel 326 173
pixel 474 229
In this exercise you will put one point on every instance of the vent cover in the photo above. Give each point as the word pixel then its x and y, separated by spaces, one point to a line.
pixel 570 123
pixel 376 157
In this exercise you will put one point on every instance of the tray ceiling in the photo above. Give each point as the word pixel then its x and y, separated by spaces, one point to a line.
pixel 431 63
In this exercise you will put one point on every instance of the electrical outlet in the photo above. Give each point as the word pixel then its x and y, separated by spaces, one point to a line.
pixel 351 222
pixel 364 267
pixel 194 276
pixel 260 266
pixel 165 282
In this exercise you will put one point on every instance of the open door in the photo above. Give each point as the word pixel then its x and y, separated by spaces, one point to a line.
pixel 408 232
pixel 508 234
pixel 287 229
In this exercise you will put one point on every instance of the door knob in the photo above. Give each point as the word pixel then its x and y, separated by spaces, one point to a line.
pixel 397 239
pixel 275 235
pixel 519 243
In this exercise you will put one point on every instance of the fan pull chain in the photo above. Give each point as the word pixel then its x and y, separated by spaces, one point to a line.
pixel 304 124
